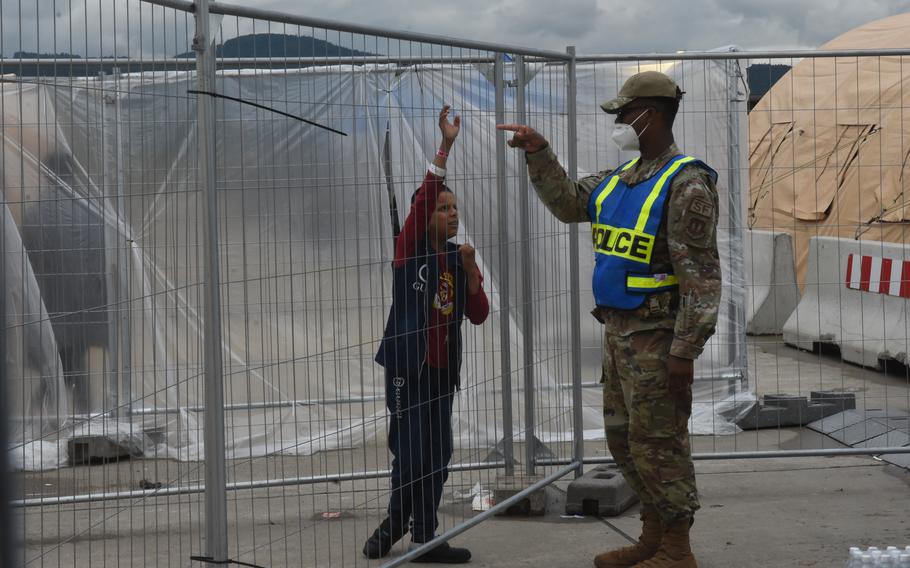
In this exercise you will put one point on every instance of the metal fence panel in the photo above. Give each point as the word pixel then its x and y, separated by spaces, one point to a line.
pixel 122 203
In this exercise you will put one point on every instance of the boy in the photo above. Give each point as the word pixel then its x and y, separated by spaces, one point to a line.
pixel 435 285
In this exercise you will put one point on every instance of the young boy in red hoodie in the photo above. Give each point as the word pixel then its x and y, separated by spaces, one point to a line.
pixel 436 284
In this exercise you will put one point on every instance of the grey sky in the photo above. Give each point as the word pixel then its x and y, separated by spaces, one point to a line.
pixel 594 26
pixel 613 25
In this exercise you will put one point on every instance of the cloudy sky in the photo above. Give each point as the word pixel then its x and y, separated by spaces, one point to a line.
pixel 613 25
pixel 101 27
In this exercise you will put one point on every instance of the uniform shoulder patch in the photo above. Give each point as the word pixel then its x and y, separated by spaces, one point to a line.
pixel 696 227
pixel 702 207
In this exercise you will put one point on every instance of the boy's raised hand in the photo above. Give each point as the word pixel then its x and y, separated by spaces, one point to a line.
pixel 449 130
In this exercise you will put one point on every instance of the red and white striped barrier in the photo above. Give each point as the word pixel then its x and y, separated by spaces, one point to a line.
pixel 889 276
pixel 856 297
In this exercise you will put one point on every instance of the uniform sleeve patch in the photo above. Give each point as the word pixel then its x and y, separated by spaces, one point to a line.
pixel 702 207
pixel 696 228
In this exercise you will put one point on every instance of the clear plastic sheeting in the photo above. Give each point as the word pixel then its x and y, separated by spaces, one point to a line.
pixel 104 200
pixel 39 402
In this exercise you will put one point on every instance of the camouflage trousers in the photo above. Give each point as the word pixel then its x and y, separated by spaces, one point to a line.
pixel 646 428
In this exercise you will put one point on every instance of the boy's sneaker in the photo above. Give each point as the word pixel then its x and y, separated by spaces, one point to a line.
pixel 443 554
pixel 381 541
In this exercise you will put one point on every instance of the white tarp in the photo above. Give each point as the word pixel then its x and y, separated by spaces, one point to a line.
pixel 305 248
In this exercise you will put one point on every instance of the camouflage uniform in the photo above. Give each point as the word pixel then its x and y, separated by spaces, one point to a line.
pixel 646 426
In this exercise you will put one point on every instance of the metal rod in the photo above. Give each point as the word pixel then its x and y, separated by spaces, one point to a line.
pixel 8 65
pixel 9 543
pixel 578 437
pixel 717 55
pixel 236 486
pixel 258 405
pixel 282 64
pixel 505 318
pixel 754 455
pixel 474 521
pixel 111 246
pixel 477 466
pixel 737 316
pixel 215 475
pixel 124 249
pixel 335 25
pixel 527 307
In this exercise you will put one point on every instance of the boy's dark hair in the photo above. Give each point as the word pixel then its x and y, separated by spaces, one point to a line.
pixel 666 106
pixel 444 188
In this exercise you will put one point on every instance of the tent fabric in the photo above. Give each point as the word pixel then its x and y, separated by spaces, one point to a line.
pixel 829 144
pixel 106 169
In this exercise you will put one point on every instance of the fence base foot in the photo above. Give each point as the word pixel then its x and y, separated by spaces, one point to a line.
pixel 534 505
pixel 601 492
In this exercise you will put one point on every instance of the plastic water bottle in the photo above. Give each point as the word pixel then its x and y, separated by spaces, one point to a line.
pixel 854 557
pixel 904 560
pixel 866 561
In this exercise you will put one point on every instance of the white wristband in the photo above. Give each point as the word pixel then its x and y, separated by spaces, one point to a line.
pixel 436 170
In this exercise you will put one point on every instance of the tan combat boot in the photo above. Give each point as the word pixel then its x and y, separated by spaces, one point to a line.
pixel 648 542
pixel 674 551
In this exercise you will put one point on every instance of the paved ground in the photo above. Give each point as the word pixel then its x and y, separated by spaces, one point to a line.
pixel 756 513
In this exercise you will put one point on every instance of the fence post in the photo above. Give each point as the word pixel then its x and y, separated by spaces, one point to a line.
pixel 8 542
pixel 527 312
pixel 504 308
pixel 578 431
pixel 215 481
pixel 124 250
pixel 737 324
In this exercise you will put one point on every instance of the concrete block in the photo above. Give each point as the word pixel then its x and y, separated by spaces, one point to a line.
pixel 772 292
pixel 601 492
pixel 534 505
pixel 868 327
pixel 783 410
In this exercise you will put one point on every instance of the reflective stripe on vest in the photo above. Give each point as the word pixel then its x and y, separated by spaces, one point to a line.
pixel 651 283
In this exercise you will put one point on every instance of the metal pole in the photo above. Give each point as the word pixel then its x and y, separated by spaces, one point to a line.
pixel 738 313
pixel 123 263
pixel 505 319
pixel 277 17
pixel 111 381
pixel 474 521
pixel 578 429
pixel 760 454
pixel 215 491
pixel 527 316
pixel 9 555
pixel 236 486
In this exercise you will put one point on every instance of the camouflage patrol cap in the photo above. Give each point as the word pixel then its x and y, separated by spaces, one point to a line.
pixel 645 84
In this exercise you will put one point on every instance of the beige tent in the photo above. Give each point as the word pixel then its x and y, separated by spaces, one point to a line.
pixel 830 143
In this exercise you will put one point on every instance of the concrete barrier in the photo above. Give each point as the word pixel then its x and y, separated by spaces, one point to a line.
pixel 855 297
pixel 771 290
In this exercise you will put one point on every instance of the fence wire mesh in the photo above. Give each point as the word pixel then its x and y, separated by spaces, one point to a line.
pixel 321 137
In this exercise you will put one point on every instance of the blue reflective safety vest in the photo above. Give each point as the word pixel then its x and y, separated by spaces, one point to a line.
pixel 624 224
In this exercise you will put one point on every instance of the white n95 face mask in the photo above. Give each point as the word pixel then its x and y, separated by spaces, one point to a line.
pixel 625 137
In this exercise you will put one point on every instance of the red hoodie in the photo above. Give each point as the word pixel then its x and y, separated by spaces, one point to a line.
pixel 477 307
